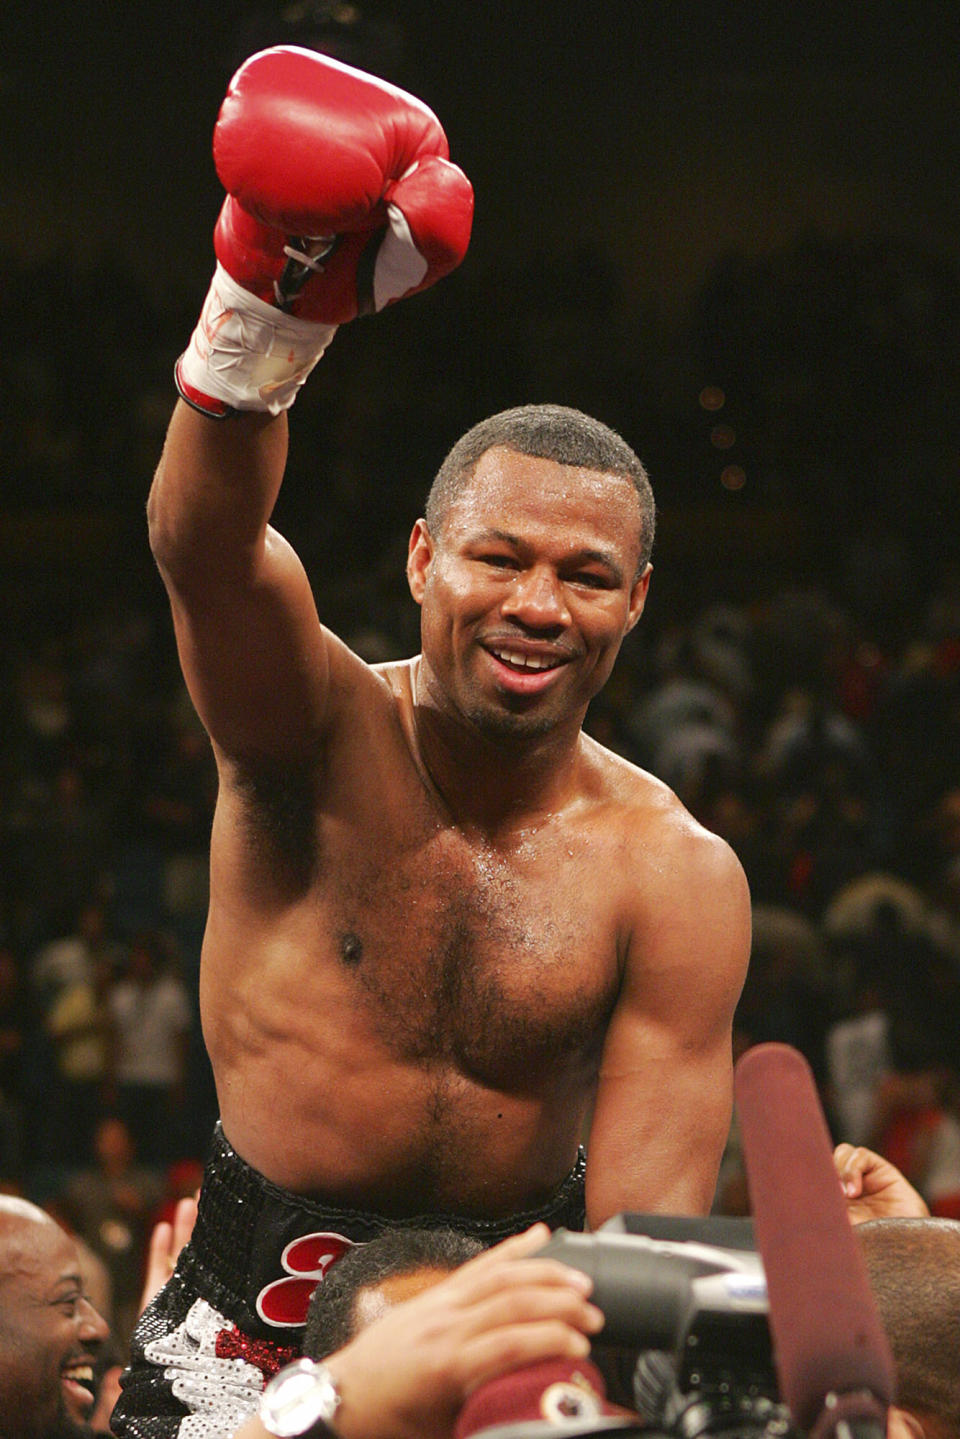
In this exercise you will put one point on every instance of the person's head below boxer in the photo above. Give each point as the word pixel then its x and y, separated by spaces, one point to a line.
pixel 371 1278
pixel 49 1331
pixel 914 1269
pixel 535 548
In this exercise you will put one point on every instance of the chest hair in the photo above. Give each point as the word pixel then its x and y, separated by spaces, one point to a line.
pixel 469 958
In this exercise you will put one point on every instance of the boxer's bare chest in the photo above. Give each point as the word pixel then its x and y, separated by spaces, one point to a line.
pixel 454 952
pixel 492 959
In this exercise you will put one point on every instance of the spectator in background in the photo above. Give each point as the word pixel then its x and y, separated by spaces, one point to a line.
pixel 181 1181
pixel 79 935
pixel 915 1123
pixel 66 1050
pixel 857 1059
pixel 941 837
pixel 821 777
pixel 787 983
pixel 111 1204
pixel 13 1022
pixel 176 814
pixel 72 838
pixel 80 1027
pixel 684 728
pixel 151 1015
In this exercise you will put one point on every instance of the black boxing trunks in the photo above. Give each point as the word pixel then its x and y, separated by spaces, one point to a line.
pixel 233 1311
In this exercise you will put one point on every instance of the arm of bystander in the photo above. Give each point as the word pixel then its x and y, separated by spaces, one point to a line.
pixel 874 1188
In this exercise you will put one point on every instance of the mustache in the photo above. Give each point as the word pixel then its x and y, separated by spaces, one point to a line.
pixel 560 649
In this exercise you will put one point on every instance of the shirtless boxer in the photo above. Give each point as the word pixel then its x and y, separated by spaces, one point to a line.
pixel 442 919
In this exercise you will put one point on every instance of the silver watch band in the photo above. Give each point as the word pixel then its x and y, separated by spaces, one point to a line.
pixel 300 1401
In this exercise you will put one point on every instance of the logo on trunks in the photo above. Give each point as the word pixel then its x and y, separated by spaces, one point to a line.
pixel 283 1302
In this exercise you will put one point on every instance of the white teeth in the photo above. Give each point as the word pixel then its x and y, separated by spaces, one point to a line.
pixel 527 662
pixel 79 1371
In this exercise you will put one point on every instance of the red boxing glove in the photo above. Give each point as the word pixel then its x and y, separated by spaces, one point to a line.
pixel 341 200
pixel 307 147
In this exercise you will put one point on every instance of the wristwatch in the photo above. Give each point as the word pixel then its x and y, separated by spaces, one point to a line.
pixel 300 1401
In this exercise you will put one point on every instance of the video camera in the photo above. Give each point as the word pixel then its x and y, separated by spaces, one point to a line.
pixel 687 1339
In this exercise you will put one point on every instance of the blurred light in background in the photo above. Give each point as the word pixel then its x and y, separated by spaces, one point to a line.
pixel 733 477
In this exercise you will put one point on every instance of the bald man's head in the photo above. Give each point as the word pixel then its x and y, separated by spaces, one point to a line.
pixel 49 1332
pixel 914 1269
pixel 13 1208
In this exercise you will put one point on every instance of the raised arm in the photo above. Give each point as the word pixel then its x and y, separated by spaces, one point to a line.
pixel 665 1094
pixel 251 646
pixel 340 200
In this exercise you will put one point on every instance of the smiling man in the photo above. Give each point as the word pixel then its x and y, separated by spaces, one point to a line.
pixel 444 923
pixel 49 1331
pixel 531 565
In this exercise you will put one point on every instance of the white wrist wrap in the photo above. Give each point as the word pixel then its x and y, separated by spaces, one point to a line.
pixel 248 354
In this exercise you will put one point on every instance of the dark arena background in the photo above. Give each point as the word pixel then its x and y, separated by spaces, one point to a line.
pixel 730 231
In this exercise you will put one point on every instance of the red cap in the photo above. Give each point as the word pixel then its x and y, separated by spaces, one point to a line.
pixel 558 1391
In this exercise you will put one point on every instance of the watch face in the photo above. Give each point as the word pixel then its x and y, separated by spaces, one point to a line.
pixel 298 1398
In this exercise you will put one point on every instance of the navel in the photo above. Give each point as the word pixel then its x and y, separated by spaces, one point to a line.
pixel 351 948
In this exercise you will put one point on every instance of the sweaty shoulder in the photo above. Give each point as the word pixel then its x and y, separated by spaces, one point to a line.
pixel 664 849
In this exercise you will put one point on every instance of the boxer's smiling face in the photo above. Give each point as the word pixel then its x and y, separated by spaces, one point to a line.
pixel 527 591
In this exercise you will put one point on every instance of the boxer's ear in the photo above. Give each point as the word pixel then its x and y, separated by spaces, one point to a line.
pixel 419 559
pixel 638 597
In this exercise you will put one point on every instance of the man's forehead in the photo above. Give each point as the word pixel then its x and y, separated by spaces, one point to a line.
pixel 507 484
pixel 502 464
pixel 375 1299
pixel 36 1251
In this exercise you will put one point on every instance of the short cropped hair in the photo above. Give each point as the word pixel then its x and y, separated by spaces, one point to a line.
pixel 914 1269
pixel 548 432
pixel 331 1318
